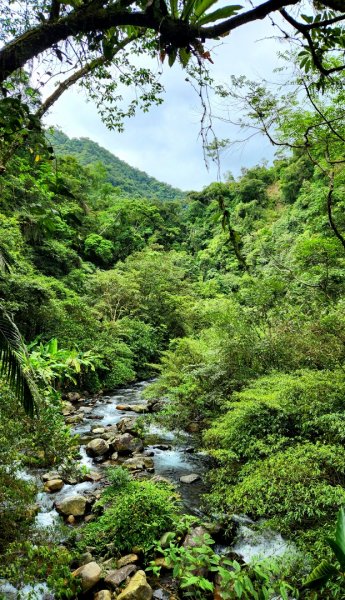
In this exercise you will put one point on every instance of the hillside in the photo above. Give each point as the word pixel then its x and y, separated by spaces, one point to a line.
pixel 131 181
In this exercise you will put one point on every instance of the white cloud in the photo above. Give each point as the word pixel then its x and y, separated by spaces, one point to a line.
pixel 165 142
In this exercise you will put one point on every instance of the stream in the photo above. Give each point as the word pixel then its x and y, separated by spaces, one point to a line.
pixel 173 457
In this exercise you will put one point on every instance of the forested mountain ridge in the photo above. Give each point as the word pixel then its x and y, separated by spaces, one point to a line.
pixel 130 181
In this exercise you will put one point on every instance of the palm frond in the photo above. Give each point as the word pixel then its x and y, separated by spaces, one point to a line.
pixel 13 365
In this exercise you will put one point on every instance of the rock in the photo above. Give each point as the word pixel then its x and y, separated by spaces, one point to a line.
pixel 127 443
pixel 98 430
pixel 118 576
pixel 85 559
pixel 190 450
pixel 89 518
pixel 139 408
pixel 160 595
pixel 138 463
pixel 114 456
pixel 137 589
pixel 127 560
pixel 53 485
pixel 85 409
pixel 103 595
pixel 162 447
pixel 74 419
pixel 161 561
pixel 89 574
pixel 97 447
pixel 123 407
pixel 93 476
pixel 50 475
pixel 190 478
pixel 127 425
pixel 195 538
pixel 67 408
pixel 73 396
pixel 70 520
pixel 72 505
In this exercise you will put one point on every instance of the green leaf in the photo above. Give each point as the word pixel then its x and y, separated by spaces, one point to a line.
pixel 201 6
pixel 184 56
pixel 320 575
pixel 340 532
pixel 174 9
pixel 221 13
pixel 172 57
pixel 337 551
pixel 187 9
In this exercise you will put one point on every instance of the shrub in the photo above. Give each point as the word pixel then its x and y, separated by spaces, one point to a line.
pixel 137 513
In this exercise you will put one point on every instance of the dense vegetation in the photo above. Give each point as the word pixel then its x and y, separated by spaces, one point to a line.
pixel 235 295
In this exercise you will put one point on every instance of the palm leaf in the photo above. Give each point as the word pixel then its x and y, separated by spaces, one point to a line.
pixel 320 575
pixel 187 9
pixel 174 9
pixel 221 13
pixel 13 364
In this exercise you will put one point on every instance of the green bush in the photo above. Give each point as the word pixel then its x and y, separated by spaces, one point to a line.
pixel 136 514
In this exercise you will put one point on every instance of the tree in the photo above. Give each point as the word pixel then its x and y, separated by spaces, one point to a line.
pixel 87 37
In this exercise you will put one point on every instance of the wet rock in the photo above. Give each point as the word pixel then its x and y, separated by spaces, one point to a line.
pixel 193 427
pixel 89 575
pixel 139 463
pixel 114 456
pixel 67 408
pixel 98 430
pixel 70 520
pixel 190 478
pixel 53 485
pixel 85 409
pixel 123 407
pixel 103 595
pixel 95 417
pixel 97 447
pixel 118 576
pixel 190 450
pixel 72 505
pixel 127 560
pixel 139 408
pixel 137 589
pixel 162 447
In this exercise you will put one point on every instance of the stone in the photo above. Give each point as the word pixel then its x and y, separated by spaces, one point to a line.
pixel 50 475
pixel 193 427
pixel 85 559
pixel 97 447
pixel 70 520
pixel 98 430
pixel 190 449
pixel 160 595
pixel 74 419
pixel 72 505
pixel 161 561
pixel 195 537
pixel 118 576
pixel 103 595
pixel 127 425
pixel 190 478
pixel 114 456
pixel 139 408
pixel 89 575
pixel 126 443
pixel 137 589
pixel 93 476
pixel 67 408
pixel 123 407
pixel 53 485
pixel 162 447
pixel 89 518
pixel 73 396
pixel 127 560
pixel 85 409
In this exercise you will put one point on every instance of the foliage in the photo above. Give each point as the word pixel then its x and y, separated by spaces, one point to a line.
pixel 136 514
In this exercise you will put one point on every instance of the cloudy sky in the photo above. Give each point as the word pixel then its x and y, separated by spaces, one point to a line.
pixel 165 142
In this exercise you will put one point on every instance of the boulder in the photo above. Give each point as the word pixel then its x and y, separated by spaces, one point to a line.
pixel 97 447
pixel 127 560
pixel 72 505
pixel 85 559
pixel 195 538
pixel 53 485
pixel 138 463
pixel 73 396
pixel 93 476
pixel 74 419
pixel 50 475
pixel 117 576
pixel 103 595
pixel 137 589
pixel 98 430
pixel 190 478
pixel 127 425
pixel 126 443
pixel 139 408
pixel 123 407
pixel 89 575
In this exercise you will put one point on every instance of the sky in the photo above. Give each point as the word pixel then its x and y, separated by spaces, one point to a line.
pixel 165 142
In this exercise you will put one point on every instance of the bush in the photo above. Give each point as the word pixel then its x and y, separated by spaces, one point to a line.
pixel 137 513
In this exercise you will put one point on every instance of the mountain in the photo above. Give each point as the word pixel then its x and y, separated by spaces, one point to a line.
pixel 131 181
